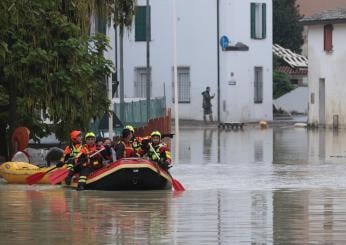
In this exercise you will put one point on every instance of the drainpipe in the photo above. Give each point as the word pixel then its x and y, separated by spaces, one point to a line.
pixel 175 79
pixel 147 28
pixel 218 58
pixel 116 59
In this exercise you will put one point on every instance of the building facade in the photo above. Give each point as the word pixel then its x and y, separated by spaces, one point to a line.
pixel 327 61
pixel 310 7
pixel 243 75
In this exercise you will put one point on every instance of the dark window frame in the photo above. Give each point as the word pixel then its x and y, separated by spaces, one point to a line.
pixel 187 93
pixel 258 85
pixel 328 37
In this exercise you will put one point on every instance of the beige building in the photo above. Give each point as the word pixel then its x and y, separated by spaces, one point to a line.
pixel 327 62
pixel 310 7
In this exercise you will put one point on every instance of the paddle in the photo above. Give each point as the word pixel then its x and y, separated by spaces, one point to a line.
pixel 176 184
pixel 60 175
pixel 34 178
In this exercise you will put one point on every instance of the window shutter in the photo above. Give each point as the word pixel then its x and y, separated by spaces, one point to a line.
pixel 264 20
pixel 328 38
pixel 253 20
pixel 258 85
pixel 140 23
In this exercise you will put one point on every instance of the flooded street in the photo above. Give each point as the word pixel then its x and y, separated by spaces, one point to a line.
pixel 273 186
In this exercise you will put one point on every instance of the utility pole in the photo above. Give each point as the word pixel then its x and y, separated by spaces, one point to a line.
pixel 110 114
pixel 175 75
pixel 218 60
pixel 113 80
pixel 148 36
pixel 122 96
pixel 116 60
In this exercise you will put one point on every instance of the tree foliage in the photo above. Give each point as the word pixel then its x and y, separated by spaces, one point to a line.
pixel 123 13
pixel 287 30
pixel 281 82
pixel 56 66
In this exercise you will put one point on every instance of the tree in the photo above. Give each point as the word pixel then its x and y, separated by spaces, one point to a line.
pixel 287 30
pixel 281 82
pixel 123 13
pixel 49 63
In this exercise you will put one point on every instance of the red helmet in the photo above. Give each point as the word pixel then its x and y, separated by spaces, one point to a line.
pixel 74 135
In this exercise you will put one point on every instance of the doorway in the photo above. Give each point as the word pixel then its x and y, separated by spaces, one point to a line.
pixel 322 101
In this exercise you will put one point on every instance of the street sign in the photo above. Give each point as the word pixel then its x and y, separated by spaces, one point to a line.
pixel 224 41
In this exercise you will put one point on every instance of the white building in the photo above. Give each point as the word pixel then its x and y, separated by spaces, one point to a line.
pixel 327 62
pixel 244 75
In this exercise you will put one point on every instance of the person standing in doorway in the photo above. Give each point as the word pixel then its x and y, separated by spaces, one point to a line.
pixel 207 104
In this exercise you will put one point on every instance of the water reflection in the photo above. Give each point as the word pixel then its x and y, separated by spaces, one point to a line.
pixel 303 217
pixel 57 216
pixel 207 143
pixel 274 186
pixel 290 145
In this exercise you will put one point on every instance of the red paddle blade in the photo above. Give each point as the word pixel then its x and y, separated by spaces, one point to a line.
pixel 34 178
pixel 58 176
pixel 177 185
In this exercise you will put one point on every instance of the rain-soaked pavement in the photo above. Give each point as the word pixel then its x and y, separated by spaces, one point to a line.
pixel 275 186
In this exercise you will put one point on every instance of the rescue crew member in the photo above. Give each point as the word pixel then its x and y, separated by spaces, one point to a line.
pixel 86 162
pixel 134 141
pixel 162 155
pixel 124 148
pixel 70 153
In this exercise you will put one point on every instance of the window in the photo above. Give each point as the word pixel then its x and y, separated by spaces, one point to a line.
pixel 141 82
pixel 312 98
pixel 328 38
pixel 258 21
pixel 258 151
pixel 184 85
pixel 258 98
pixel 141 23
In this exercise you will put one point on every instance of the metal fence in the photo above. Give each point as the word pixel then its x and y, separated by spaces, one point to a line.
pixel 135 114
pixel 136 111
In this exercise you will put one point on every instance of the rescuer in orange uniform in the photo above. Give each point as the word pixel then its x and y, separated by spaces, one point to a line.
pixel 135 141
pixel 70 152
pixel 124 148
pixel 87 161
pixel 164 160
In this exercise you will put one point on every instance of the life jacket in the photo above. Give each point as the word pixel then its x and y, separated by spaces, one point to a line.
pixel 94 162
pixel 73 149
pixel 161 151
pixel 136 143
pixel 128 150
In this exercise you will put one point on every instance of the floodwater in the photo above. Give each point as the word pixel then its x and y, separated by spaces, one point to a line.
pixel 252 186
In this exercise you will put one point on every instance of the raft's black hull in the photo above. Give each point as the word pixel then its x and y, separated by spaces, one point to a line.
pixel 129 174
pixel 131 179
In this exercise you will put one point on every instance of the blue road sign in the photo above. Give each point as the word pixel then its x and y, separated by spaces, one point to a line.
pixel 224 41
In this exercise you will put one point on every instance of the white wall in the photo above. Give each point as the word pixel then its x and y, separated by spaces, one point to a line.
pixel 331 67
pixel 239 99
pixel 197 49
pixel 294 101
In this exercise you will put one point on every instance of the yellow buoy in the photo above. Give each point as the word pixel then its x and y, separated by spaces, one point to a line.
pixel 263 124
